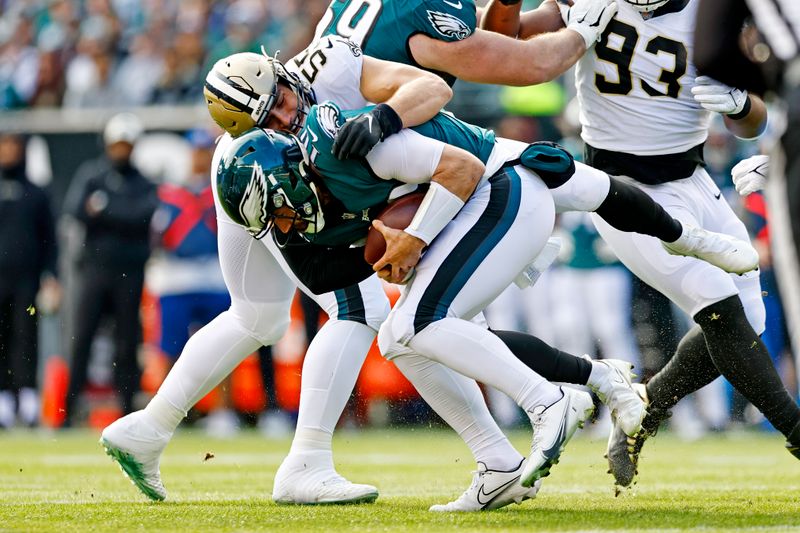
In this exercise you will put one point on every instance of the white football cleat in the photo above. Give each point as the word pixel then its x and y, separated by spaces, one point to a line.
pixel 309 478
pixel 724 251
pixel 553 426
pixel 136 445
pixel 489 490
pixel 614 388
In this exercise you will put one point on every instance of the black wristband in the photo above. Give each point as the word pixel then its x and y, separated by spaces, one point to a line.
pixel 744 112
pixel 510 2
pixel 388 119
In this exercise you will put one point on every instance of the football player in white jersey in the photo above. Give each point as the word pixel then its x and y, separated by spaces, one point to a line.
pixel 644 114
pixel 259 313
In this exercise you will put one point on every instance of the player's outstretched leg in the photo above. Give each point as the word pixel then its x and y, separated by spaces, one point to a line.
pixel 136 445
pixel 724 251
pixel 553 426
pixel 611 381
pixel 491 489
pixel 309 478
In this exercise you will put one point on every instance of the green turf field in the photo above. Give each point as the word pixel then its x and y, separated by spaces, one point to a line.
pixel 64 482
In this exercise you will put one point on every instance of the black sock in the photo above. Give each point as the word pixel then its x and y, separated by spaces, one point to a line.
pixel 628 208
pixel 741 356
pixel 687 371
pixel 549 362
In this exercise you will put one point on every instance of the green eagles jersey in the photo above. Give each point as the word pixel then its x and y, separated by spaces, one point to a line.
pixel 383 27
pixel 352 182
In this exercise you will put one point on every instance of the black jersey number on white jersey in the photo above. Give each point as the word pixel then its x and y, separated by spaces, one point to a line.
pixel 309 64
pixel 622 55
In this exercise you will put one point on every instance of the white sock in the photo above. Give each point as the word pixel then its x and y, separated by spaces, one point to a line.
pixel 598 373
pixel 459 401
pixel 163 414
pixel 330 370
pixel 476 353
pixel 210 355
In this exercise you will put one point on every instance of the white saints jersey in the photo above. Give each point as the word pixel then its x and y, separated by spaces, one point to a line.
pixel 634 87
pixel 332 66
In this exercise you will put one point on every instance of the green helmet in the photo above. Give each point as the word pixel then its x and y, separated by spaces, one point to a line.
pixel 264 170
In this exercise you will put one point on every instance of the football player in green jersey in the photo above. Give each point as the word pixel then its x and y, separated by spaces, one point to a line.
pixel 481 227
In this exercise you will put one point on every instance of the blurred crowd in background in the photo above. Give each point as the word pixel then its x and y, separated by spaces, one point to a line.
pixel 106 53
pixel 118 299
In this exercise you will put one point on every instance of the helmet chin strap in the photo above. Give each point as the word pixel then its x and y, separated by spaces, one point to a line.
pixel 318 224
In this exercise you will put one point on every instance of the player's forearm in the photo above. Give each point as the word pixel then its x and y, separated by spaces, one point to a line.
pixel 487 57
pixel 753 123
pixel 555 53
pixel 458 171
pixel 418 101
pixel 543 19
pixel 452 183
pixel 414 94
pixel 501 18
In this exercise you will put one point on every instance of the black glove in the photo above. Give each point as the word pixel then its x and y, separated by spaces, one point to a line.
pixel 359 135
pixel 510 2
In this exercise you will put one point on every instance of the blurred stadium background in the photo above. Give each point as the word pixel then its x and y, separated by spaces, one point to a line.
pixel 67 66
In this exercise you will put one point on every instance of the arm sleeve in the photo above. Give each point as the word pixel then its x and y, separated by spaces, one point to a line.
pixel 323 269
pixel 717 52
pixel 406 156
pixel 446 21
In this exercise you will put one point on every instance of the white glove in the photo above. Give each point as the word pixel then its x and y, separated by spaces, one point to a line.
pixel 750 175
pixel 563 9
pixel 716 96
pixel 589 18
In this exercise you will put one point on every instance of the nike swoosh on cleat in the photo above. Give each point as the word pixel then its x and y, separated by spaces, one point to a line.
pixel 717 196
pixel 556 449
pixel 494 492
pixel 456 5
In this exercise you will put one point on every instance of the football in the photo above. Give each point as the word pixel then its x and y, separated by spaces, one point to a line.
pixel 397 215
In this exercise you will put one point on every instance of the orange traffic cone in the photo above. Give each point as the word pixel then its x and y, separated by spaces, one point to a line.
pixel 54 392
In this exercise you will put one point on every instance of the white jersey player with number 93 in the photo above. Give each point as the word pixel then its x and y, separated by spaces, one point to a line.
pixel 644 114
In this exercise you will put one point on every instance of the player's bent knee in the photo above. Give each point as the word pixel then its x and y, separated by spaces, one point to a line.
pixel 264 321
pixel 754 310
pixel 553 164
pixel 585 191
